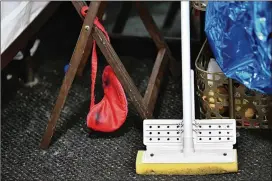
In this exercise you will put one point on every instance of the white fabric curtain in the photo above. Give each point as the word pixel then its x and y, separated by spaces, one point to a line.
pixel 15 18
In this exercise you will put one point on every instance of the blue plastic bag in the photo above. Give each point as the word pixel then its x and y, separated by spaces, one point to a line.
pixel 240 36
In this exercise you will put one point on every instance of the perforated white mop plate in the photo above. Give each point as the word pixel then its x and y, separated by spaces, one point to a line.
pixel 213 141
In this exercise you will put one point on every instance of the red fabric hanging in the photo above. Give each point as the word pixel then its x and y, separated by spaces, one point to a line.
pixel 110 113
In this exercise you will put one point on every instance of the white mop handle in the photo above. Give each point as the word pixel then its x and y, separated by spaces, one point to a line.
pixel 193 94
pixel 188 146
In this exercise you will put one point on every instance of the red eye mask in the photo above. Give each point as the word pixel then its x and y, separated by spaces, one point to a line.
pixel 110 113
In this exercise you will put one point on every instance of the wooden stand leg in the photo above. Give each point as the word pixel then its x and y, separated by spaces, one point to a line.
pixel 28 76
pixel 161 62
pixel 158 39
pixel 78 5
pixel 121 73
pixel 122 17
pixel 70 75
pixel 155 80
pixel 29 71
pixel 172 12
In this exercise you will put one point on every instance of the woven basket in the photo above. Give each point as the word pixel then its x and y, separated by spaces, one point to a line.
pixel 221 97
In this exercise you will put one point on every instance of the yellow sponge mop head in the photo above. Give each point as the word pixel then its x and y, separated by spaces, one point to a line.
pixel 183 168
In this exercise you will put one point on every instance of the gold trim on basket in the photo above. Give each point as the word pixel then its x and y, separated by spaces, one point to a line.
pixel 200 5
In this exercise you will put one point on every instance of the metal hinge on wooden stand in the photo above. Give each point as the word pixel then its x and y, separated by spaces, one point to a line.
pixel 144 105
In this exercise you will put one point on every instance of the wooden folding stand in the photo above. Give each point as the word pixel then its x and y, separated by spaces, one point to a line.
pixel 144 105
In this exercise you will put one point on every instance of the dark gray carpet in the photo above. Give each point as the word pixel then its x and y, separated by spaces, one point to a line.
pixel 78 154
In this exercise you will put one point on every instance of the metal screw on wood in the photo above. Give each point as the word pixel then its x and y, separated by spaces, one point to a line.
pixel 87 28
